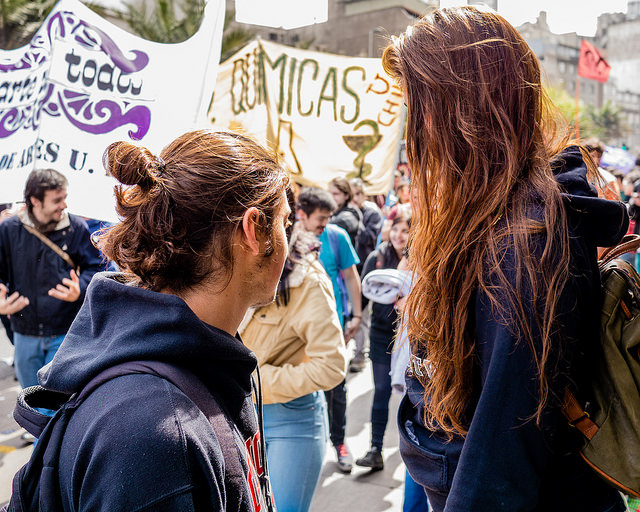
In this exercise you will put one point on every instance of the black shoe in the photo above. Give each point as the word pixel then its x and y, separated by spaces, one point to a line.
pixel 357 364
pixel 372 459
pixel 345 460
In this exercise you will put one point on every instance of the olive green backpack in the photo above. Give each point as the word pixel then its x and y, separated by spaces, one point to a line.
pixel 610 422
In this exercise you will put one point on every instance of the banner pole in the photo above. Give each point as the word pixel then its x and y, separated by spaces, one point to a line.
pixel 577 107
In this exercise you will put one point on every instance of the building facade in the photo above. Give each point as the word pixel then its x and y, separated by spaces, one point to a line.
pixel 359 28
pixel 489 3
pixel 618 38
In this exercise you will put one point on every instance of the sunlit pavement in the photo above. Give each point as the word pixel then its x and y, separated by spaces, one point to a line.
pixel 363 489
pixel 14 452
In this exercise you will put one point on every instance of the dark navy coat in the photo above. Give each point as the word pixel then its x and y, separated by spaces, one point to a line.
pixel 506 462
pixel 31 268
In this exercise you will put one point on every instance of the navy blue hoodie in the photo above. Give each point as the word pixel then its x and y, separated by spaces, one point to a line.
pixel 137 442
pixel 506 462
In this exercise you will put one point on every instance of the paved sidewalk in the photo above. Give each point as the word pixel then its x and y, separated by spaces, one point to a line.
pixel 362 489
pixel 13 451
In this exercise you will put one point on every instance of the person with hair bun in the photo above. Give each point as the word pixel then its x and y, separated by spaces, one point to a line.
pixel 504 311
pixel 202 238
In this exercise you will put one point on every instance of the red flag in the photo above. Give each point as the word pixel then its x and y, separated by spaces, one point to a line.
pixel 591 64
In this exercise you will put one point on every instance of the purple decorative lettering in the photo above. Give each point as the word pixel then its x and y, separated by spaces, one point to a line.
pixel 97 117
pixel 105 116
pixel 109 47
pixel 9 122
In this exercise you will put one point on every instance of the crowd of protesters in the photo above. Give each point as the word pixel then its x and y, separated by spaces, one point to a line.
pixel 292 273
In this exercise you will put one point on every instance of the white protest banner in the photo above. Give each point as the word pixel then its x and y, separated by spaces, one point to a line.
pixel 326 115
pixel 83 83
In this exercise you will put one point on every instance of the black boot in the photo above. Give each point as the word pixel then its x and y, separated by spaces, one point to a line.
pixel 372 459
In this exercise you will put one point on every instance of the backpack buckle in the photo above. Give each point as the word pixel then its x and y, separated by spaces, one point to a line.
pixel 585 416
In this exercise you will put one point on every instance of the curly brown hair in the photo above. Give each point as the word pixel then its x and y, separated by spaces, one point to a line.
pixel 180 211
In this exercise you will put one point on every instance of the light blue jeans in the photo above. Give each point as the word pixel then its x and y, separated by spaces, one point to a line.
pixel 31 354
pixel 296 436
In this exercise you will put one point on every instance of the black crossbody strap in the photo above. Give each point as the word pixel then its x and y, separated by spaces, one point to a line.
pixel 54 247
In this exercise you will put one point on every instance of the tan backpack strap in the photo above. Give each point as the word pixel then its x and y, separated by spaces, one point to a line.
pixel 577 416
pixel 55 248
pixel 629 243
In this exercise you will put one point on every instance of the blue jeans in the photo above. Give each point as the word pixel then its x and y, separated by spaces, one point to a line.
pixel 296 436
pixel 415 499
pixel 31 354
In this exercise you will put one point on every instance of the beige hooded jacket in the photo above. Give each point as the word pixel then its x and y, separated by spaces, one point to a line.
pixel 300 346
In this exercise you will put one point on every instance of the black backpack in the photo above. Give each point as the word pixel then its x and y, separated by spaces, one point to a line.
pixel 34 482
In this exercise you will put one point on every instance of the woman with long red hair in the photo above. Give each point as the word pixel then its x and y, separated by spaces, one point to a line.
pixel 504 311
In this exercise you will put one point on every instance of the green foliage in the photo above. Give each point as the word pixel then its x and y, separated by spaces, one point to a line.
pixel 566 104
pixel 173 21
pixel 164 21
pixel 608 122
pixel 233 38
pixel 21 19
pixel 305 45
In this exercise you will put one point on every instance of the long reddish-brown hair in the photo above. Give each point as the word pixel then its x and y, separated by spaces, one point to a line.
pixel 480 136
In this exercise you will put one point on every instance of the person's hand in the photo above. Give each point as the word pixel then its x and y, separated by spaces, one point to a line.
pixel 400 303
pixel 68 290
pixel 5 214
pixel 404 264
pixel 351 328
pixel 12 304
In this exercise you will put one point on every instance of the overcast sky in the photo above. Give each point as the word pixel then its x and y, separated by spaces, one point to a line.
pixel 562 15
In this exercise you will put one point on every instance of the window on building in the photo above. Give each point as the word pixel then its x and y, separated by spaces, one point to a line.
pixel 273 36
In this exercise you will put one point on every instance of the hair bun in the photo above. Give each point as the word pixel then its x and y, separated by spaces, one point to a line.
pixel 130 164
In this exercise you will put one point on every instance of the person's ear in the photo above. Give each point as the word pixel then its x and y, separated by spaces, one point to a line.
pixel 249 224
